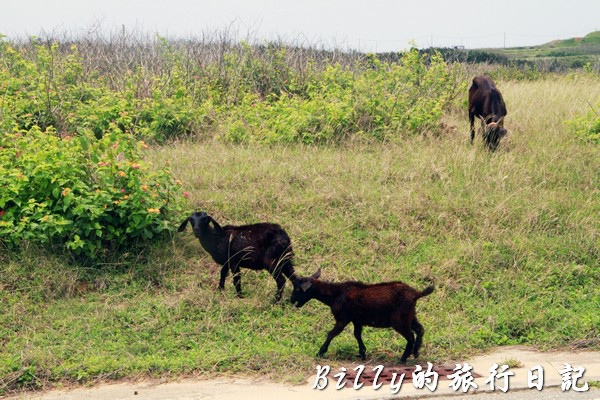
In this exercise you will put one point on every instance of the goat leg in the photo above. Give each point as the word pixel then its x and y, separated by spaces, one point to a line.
pixel 362 350
pixel 337 329
pixel 420 331
pixel 237 280
pixel 224 273
pixel 274 267
pixel 403 329
pixel 280 279
pixel 472 121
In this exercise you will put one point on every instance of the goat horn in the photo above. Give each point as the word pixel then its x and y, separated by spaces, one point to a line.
pixel 317 274
pixel 483 123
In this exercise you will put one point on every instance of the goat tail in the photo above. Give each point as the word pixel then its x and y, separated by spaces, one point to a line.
pixel 427 291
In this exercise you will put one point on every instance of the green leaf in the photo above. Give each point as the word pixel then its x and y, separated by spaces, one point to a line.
pixel 137 219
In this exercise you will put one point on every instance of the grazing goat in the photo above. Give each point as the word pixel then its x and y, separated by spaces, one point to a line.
pixel 381 305
pixel 262 246
pixel 486 102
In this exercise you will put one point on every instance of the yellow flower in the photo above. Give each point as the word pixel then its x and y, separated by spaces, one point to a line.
pixel 122 173
pixel 125 197
pixel 66 191
pixel 144 187
pixel 154 211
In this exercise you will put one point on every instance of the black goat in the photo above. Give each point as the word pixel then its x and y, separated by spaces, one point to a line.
pixel 381 305
pixel 486 103
pixel 262 246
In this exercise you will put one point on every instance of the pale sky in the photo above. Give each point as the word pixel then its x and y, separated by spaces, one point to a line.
pixel 367 25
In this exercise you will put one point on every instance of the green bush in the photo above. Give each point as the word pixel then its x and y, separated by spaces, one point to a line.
pixel 587 126
pixel 376 99
pixel 45 86
pixel 251 93
pixel 91 197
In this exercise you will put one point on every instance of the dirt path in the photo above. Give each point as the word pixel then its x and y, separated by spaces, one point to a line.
pixel 249 389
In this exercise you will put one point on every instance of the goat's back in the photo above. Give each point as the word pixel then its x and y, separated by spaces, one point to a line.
pixel 377 304
pixel 485 99
pixel 383 294
pixel 261 234
pixel 250 245
pixel 482 83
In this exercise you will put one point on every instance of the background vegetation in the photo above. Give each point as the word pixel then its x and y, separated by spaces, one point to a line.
pixel 312 140
pixel 580 52
pixel 555 56
pixel 246 94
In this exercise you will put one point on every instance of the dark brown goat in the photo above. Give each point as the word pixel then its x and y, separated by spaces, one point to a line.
pixel 486 102
pixel 381 305
pixel 262 246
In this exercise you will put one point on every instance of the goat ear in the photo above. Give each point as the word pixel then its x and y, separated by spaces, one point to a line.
pixel 317 274
pixel 215 223
pixel 183 225
pixel 305 285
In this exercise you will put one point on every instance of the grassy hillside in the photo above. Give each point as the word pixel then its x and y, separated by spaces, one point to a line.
pixel 591 40
pixel 510 239
pixel 574 52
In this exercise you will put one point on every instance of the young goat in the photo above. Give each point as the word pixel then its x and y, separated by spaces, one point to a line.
pixel 382 305
pixel 260 246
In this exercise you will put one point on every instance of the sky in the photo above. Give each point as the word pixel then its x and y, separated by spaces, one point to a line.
pixel 365 25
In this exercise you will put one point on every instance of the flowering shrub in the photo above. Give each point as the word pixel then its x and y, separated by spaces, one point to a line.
pixel 89 196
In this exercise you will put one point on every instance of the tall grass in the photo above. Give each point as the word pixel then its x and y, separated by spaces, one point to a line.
pixel 510 239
